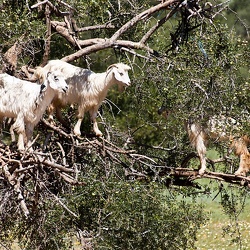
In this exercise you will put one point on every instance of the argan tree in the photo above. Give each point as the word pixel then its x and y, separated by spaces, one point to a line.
pixel 117 192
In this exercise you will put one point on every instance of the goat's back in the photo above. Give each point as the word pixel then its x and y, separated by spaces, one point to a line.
pixel 79 80
pixel 68 70
pixel 22 98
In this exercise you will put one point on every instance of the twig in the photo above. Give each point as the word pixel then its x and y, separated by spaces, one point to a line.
pixel 63 153
pixel 60 202
pixel 38 4
pixel 57 129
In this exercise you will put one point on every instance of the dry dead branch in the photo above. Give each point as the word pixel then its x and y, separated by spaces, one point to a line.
pixel 68 28
pixel 58 160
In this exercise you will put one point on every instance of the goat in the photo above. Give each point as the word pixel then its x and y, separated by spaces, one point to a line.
pixel 86 89
pixel 26 102
pixel 220 128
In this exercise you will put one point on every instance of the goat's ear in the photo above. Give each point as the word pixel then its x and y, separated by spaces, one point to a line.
pixel 126 67
pixel 117 75
pixel 43 87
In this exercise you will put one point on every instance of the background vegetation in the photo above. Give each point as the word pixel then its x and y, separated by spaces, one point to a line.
pixel 205 74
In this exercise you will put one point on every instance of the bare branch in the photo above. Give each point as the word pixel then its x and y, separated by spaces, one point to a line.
pixel 47 36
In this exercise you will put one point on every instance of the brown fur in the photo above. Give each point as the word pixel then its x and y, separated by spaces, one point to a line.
pixel 199 137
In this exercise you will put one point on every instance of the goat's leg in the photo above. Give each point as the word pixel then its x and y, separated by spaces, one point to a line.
pixel 60 118
pixel 241 149
pixel 19 126
pixel 20 143
pixel 12 134
pixel 93 115
pixel 29 132
pixel 77 128
pixel 244 166
pixel 50 111
pixel 201 150
pixel 198 140
pixel 80 116
pixel 1 125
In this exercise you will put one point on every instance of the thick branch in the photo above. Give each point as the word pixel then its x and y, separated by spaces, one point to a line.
pixel 159 24
pixel 192 174
pixel 48 35
pixel 94 45
pixel 142 16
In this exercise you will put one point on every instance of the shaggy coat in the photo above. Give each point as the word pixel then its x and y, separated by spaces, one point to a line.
pixel 86 89
pixel 217 129
pixel 26 102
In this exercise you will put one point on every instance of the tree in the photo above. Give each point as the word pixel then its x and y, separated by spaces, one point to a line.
pixel 112 191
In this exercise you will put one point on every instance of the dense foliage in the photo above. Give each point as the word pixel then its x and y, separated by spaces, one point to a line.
pixel 206 74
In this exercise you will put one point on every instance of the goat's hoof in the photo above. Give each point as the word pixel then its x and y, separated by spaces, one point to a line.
pixel 239 174
pixel 99 134
pixel 52 122
pixel 201 172
pixel 77 133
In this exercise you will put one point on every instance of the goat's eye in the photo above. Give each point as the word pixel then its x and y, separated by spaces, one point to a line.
pixel 56 78
pixel 121 74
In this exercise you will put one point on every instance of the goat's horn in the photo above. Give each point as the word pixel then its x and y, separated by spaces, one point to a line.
pixel 111 66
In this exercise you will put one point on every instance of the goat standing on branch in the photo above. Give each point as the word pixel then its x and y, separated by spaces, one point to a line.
pixel 217 129
pixel 27 101
pixel 86 89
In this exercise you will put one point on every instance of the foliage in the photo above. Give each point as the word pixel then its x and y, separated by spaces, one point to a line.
pixel 239 18
pixel 137 216
pixel 233 203
pixel 208 74
pixel 17 22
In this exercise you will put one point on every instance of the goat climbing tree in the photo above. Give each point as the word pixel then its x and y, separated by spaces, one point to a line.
pixel 179 55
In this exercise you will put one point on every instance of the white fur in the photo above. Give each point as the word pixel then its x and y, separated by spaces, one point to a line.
pixel 86 89
pixel 26 102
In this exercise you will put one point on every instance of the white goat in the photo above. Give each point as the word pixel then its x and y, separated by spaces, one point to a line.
pixel 218 129
pixel 86 89
pixel 27 101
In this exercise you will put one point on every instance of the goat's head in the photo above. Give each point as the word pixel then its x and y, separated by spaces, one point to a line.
pixel 56 81
pixel 120 72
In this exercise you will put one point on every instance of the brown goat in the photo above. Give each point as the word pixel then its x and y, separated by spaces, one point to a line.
pixel 219 130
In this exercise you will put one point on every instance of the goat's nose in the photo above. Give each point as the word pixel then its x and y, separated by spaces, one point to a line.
pixel 65 89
